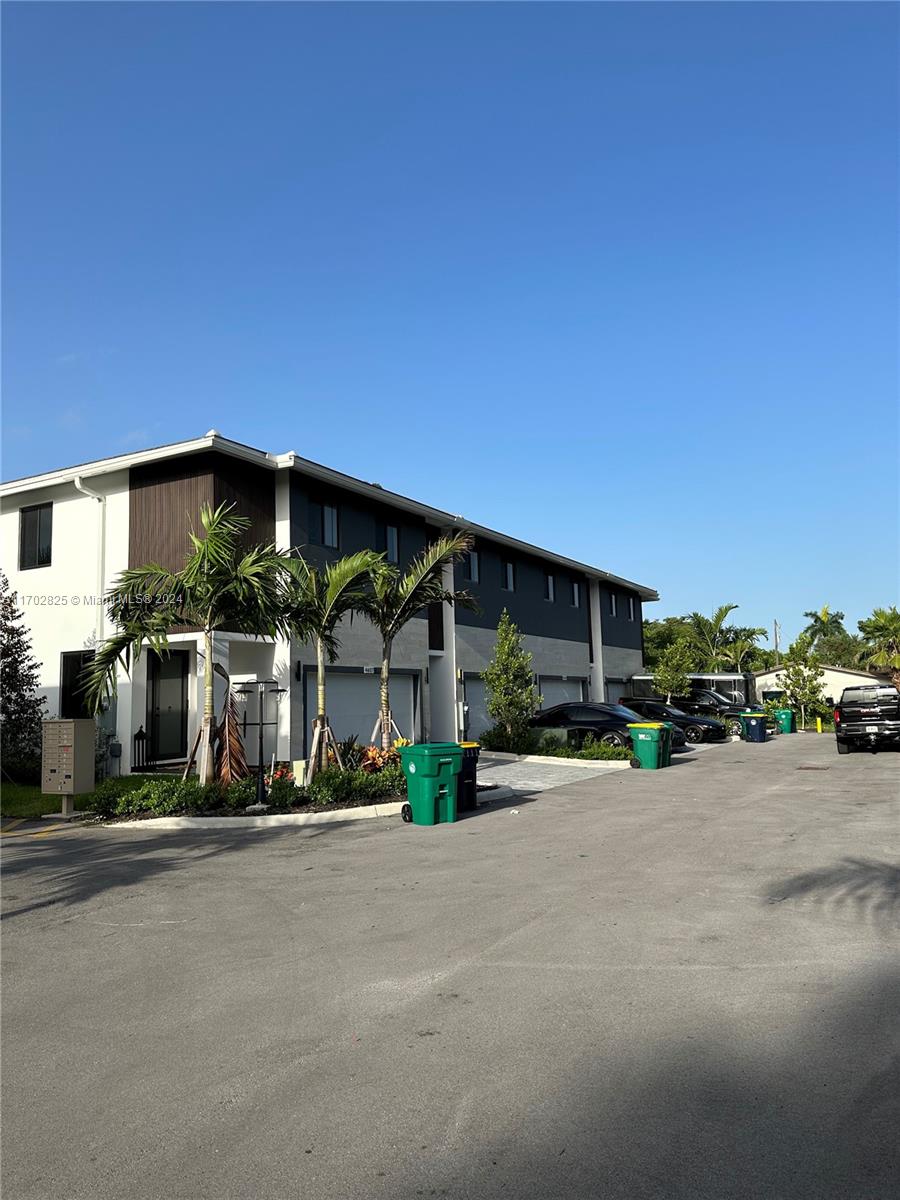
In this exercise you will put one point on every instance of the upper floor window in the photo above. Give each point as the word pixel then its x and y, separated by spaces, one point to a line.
pixel 392 543
pixel 323 524
pixel 613 604
pixel 508 576
pixel 631 608
pixel 576 594
pixel 549 587
pixel 35 536
pixel 471 566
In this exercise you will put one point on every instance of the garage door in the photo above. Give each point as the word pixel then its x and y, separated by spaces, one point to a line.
pixel 477 719
pixel 615 690
pixel 560 691
pixel 352 702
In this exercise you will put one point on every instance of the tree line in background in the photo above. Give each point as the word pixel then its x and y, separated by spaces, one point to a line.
pixel 712 644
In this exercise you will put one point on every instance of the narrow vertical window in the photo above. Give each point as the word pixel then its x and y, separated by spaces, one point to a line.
pixel 35 536
pixel 631 608
pixel 509 576
pixel 613 605
pixel 576 594
pixel 392 543
pixel 549 587
pixel 329 526
pixel 470 566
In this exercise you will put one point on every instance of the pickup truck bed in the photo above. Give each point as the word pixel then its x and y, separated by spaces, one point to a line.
pixel 867 718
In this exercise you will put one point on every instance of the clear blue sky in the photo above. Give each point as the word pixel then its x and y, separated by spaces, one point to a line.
pixel 629 270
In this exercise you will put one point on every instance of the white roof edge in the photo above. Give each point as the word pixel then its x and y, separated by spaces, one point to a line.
pixel 291 460
pixel 827 667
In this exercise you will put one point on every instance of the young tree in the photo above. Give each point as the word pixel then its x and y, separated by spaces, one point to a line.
pixel 671 675
pixel 322 599
pixel 840 649
pixel 801 677
pixel 512 698
pixel 21 708
pixel 222 585
pixel 395 598
pixel 881 634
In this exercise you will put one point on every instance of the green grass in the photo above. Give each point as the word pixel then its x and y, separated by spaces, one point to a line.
pixel 26 800
pixel 23 800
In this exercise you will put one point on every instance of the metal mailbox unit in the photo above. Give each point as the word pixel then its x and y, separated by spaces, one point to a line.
pixel 67 761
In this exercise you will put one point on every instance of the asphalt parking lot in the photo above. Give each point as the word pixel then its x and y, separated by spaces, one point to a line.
pixel 648 984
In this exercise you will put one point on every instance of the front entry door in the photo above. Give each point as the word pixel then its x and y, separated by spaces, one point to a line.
pixel 167 694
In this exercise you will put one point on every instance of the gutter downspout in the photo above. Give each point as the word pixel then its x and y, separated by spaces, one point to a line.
pixel 101 551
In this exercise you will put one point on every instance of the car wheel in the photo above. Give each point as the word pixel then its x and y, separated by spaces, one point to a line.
pixel 612 739
pixel 735 728
pixel 694 733
pixel 843 747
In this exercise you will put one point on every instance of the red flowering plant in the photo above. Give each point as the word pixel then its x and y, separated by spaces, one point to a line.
pixel 376 759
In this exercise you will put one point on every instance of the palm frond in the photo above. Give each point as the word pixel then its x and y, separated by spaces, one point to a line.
pixel 231 759
pixel 396 598
pixel 97 681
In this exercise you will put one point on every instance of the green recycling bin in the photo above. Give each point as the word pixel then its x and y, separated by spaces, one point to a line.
pixel 666 754
pixel 784 718
pixel 648 739
pixel 754 725
pixel 431 769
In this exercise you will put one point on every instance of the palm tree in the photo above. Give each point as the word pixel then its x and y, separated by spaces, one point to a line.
pixel 881 632
pixel 323 597
pixel 708 638
pixel 737 652
pixel 824 623
pixel 396 598
pixel 222 585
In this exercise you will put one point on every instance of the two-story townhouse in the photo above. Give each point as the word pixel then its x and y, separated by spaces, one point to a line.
pixel 67 534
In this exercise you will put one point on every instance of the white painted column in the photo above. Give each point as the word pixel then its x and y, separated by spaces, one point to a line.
pixel 442 683
pixel 283 662
pixel 598 678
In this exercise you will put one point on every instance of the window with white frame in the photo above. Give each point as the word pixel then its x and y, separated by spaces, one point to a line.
pixel 631 608
pixel 576 594
pixel 508 577
pixel 549 587
pixel 613 604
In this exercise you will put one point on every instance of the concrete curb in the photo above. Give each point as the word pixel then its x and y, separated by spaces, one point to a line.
pixel 337 817
pixel 553 761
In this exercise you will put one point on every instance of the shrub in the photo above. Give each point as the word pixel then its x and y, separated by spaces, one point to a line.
pixel 591 750
pixel 106 795
pixel 346 787
pixel 523 741
pixel 283 793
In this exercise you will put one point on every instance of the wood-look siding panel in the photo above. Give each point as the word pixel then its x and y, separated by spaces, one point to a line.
pixel 166 498
pixel 164 505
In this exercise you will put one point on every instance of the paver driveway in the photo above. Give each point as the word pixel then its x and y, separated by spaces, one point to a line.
pixel 649 984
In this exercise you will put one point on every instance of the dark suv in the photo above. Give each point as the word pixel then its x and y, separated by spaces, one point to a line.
pixel 605 722
pixel 695 728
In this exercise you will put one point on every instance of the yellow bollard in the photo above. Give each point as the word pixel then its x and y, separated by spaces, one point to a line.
pixel 818 724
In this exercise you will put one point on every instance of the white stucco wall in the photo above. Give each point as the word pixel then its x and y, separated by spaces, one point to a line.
pixel 834 680
pixel 61 602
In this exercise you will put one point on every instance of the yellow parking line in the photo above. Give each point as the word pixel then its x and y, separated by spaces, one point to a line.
pixel 33 833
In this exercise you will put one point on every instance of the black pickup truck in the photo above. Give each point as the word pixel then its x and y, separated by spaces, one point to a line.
pixel 867 718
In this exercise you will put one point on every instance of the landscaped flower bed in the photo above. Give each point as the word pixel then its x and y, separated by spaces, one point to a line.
pixel 164 796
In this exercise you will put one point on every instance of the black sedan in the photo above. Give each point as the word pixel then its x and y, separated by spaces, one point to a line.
pixel 605 722
pixel 694 727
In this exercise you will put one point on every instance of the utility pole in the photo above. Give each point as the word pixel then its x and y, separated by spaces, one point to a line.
pixel 776 630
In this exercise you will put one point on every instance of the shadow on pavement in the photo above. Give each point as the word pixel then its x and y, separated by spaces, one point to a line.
pixel 73 869
pixel 810 1116
pixel 872 887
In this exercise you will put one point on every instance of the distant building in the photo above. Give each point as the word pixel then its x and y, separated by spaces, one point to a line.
pixel 835 679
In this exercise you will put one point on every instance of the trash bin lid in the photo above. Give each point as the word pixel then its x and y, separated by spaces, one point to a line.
pixel 470 745
pixel 431 749
pixel 645 725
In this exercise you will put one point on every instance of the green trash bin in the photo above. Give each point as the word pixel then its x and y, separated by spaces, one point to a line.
pixel 754 725
pixel 431 769
pixel 648 739
pixel 784 719
pixel 666 754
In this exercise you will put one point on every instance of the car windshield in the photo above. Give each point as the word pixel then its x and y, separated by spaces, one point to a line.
pixel 718 696
pixel 860 695
pixel 621 711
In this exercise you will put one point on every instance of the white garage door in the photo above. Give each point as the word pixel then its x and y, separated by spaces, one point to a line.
pixel 559 691
pixel 352 703
pixel 477 717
